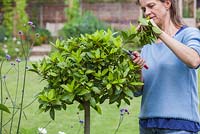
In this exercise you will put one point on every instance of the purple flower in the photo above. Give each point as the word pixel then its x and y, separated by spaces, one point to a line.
pixel 8 57
pixel 123 111
pixel 12 63
pixel 37 35
pixel 18 60
pixel 4 77
pixel 126 111
pixel 30 23
pixel 20 33
pixel 81 121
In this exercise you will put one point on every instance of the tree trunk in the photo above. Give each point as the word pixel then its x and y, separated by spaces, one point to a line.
pixel 87 117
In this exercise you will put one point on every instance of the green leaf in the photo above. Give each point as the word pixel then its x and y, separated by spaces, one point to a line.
pixel 114 98
pixel 51 94
pixel 108 86
pixel 104 72
pixel 4 108
pixel 143 21
pixel 128 92
pixel 84 91
pixel 156 30
pixel 127 101
pixel 124 35
pixel 69 97
pixel 97 53
pixel 137 83
pixel 121 80
pixel 89 71
pixel 67 88
pixel 110 76
pixel 92 102
pixel 98 109
pixel 103 98
pixel 80 107
pixel 52 114
pixel 43 97
pixel 132 36
pixel 96 90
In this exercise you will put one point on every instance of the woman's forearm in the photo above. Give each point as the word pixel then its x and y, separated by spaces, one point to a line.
pixel 186 54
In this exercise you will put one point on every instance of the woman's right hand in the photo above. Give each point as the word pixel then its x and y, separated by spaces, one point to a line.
pixel 138 60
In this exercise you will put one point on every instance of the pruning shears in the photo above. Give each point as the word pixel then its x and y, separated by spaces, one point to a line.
pixel 133 56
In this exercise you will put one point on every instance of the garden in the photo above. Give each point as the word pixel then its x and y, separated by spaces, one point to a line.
pixel 84 86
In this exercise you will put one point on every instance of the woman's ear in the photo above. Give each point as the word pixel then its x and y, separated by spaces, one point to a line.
pixel 168 4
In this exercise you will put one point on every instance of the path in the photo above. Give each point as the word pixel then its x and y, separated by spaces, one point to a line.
pixel 39 52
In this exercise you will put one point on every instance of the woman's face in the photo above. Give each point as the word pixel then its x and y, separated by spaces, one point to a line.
pixel 156 10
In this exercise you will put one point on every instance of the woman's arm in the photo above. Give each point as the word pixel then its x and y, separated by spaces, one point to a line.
pixel 186 54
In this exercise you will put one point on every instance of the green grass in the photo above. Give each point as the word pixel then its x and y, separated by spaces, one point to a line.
pixel 67 121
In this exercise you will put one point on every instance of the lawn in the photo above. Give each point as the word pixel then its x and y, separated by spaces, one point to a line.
pixel 68 121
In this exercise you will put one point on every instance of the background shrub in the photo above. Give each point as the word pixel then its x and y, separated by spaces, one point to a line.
pixel 87 23
pixel 2 33
pixel 44 38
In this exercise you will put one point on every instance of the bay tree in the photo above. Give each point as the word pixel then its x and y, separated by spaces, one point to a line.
pixel 90 70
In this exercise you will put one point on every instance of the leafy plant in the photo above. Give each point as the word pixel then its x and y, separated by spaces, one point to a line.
pixel 145 33
pixel 87 69
pixel 26 44
pixel 87 23
pixel 45 36
pixel 90 69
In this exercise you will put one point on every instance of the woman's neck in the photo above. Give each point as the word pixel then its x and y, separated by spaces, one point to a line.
pixel 169 28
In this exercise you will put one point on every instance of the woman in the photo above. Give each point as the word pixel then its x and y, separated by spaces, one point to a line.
pixel 170 93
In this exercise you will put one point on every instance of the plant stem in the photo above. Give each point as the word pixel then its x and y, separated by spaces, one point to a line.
pixel 86 105
pixel 120 121
pixel 22 95
pixel 1 123
pixel 13 112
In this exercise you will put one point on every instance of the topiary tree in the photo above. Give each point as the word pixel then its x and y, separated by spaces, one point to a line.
pixel 89 70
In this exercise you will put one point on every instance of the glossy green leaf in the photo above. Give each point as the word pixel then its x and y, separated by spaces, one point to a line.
pixel 51 94
pixel 52 114
pixel 128 92
pixel 83 91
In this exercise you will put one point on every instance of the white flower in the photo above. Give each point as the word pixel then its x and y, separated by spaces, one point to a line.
pixel 14 38
pixel 5 51
pixel 18 42
pixel 5 38
pixel 17 49
pixel 4 46
pixel 42 131
pixel 61 132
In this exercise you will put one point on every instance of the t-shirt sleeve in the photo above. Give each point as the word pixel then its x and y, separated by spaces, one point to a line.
pixel 192 39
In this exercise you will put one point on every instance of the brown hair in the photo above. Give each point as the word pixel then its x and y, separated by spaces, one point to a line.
pixel 174 12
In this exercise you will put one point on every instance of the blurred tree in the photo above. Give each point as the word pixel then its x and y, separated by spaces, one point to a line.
pixel 20 16
pixel 73 9
pixel 14 16
pixel 8 16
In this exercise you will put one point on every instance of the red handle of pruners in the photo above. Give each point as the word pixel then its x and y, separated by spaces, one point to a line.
pixel 145 66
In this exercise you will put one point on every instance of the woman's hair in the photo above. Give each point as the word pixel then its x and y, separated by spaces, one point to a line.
pixel 174 12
